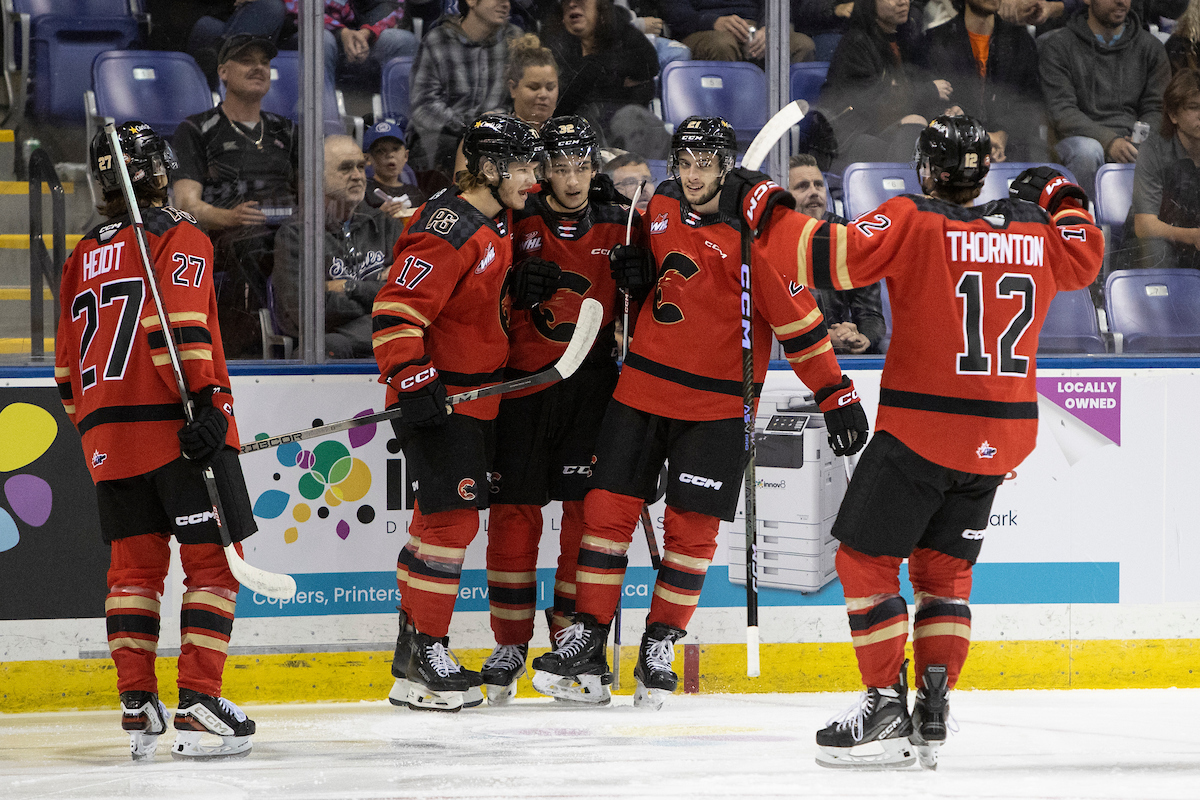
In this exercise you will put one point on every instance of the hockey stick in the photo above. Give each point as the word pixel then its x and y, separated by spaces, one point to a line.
pixel 270 584
pixel 772 132
pixel 586 328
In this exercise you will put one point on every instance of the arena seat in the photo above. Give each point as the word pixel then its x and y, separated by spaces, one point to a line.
pixel 1154 310
pixel 392 100
pixel 995 185
pixel 806 80
pixel 161 88
pixel 734 90
pixel 1071 325
pixel 1114 196
pixel 867 184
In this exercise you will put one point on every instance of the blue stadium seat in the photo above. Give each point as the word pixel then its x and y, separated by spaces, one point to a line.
pixel 1114 195
pixel 866 185
pixel 995 185
pixel 161 88
pixel 1154 310
pixel 1071 325
pixel 807 78
pixel 392 100
pixel 734 90
pixel 658 169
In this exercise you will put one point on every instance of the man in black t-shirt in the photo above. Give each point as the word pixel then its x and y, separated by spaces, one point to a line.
pixel 237 176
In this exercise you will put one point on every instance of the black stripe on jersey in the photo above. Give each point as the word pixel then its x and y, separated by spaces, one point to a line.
pixel 993 409
pixel 471 378
pixel 189 335
pixel 893 608
pixel 687 581
pixel 201 619
pixel 434 569
pixel 132 623
pixel 510 596
pixel 594 559
pixel 820 257
pixel 687 379
pixel 935 609
pixel 797 344
pixel 65 391
pixel 153 413
pixel 381 322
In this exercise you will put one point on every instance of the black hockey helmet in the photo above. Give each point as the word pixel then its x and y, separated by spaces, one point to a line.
pixel 708 134
pixel 502 139
pixel 956 151
pixel 571 136
pixel 147 156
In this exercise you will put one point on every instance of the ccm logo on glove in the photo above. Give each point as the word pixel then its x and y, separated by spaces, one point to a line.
pixel 413 381
pixel 760 192
pixel 846 399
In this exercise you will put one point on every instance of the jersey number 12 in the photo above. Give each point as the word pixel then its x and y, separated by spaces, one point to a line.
pixel 974 360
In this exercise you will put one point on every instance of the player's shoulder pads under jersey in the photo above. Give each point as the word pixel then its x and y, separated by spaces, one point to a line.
pixel 609 213
pixel 670 188
pixel 449 217
pixel 160 220
pixel 999 213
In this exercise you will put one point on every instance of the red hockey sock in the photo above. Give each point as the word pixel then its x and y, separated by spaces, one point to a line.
pixel 609 520
pixel 435 570
pixel 942 628
pixel 512 551
pixel 568 556
pixel 136 572
pixel 206 619
pixel 878 614
pixel 689 542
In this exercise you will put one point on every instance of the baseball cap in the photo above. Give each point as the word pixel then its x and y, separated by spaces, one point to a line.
pixel 384 129
pixel 232 46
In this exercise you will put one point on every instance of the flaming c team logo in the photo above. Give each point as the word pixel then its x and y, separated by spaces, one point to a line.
pixel 466 489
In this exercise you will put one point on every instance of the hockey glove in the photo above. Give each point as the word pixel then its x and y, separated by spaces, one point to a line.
pixel 751 197
pixel 534 281
pixel 633 269
pixel 202 438
pixel 602 190
pixel 1049 188
pixel 422 395
pixel 845 420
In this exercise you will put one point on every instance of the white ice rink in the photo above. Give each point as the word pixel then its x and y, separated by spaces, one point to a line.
pixel 1126 745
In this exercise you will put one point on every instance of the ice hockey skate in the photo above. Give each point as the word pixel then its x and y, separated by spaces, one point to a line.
pixel 201 717
pixel 871 734
pixel 655 678
pixel 437 682
pixel 930 715
pixel 144 716
pixel 577 669
pixel 398 696
pixel 501 670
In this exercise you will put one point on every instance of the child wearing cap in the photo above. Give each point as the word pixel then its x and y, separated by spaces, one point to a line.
pixel 387 154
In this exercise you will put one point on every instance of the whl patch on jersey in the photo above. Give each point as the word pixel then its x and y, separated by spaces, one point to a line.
pixel 659 225
pixel 1084 414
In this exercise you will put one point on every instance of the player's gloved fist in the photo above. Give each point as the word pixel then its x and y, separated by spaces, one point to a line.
pixel 1049 188
pixel 534 280
pixel 633 268
pixel 422 395
pixel 602 190
pixel 845 420
pixel 752 197
pixel 202 438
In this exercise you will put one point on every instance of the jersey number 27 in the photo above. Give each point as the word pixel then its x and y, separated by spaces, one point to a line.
pixel 130 292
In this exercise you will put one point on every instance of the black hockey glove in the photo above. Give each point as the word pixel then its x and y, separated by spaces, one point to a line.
pixel 749 197
pixel 602 190
pixel 202 438
pixel 1049 188
pixel 534 281
pixel 422 395
pixel 633 269
pixel 845 420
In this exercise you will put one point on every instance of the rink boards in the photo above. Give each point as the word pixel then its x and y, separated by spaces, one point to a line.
pixel 1086 577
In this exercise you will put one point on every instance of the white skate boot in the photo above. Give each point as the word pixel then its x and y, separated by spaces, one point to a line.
pixel 144 716
pixel 200 718
pixel 501 670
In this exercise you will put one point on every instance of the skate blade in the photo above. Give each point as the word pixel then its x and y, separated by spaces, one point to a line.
pixel 473 697
pixel 880 754
pixel 398 696
pixel 142 745
pixel 927 755
pixel 498 695
pixel 195 746
pixel 586 689
pixel 652 699
pixel 423 699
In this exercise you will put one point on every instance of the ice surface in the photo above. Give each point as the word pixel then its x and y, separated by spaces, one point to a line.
pixel 1125 745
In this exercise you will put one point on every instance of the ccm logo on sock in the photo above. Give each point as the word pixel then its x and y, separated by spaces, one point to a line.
pixel 416 380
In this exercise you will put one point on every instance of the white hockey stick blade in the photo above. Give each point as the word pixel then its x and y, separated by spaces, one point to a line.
pixel 772 132
pixel 752 665
pixel 591 313
pixel 269 584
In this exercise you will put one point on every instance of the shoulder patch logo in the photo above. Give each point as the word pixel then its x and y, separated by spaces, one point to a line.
pixel 985 450
pixel 660 224
pixel 531 242
pixel 442 221
pixel 488 257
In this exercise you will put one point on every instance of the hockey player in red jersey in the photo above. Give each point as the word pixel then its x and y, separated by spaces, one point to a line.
pixel 679 400
pixel 970 288
pixel 440 324
pixel 545 436
pixel 118 388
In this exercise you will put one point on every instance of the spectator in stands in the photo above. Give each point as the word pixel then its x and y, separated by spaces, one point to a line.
pixel 728 30
pixel 855 316
pixel 362 31
pixel 604 63
pixel 237 177
pixel 387 155
pixel 627 171
pixel 458 75
pixel 823 21
pixel 358 254
pixel 876 96
pixel 993 66
pixel 532 79
pixel 1101 73
pixel 1183 47
pixel 197 27
pixel 1166 182
pixel 646 16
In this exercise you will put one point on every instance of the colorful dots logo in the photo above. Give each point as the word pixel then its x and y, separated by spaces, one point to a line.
pixel 26 433
pixel 328 476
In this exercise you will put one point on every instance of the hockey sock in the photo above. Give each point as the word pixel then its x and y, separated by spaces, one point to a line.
pixel 568 555
pixel 434 574
pixel 512 549
pixel 404 562
pixel 608 529
pixel 942 628
pixel 688 547
pixel 878 614
pixel 206 618
pixel 136 572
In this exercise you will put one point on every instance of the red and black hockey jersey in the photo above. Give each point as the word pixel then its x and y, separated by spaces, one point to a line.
pixel 969 289
pixel 111 364
pixel 445 297
pixel 685 360
pixel 579 243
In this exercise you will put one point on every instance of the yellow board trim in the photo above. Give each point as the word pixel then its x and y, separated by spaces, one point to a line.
pixel 20 241
pixel 22 187
pixel 22 293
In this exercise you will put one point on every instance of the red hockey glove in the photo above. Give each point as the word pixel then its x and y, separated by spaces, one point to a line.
pixel 201 439
pixel 534 280
pixel 751 197
pixel 845 420
pixel 633 269
pixel 422 395
pixel 1049 188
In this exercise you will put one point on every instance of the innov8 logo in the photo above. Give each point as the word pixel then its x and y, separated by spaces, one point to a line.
pixel 762 484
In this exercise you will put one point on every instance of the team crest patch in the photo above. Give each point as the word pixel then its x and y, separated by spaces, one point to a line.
pixel 985 450
pixel 659 225
pixel 98 458
pixel 488 257
pixel 532 241
pixel 466 488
